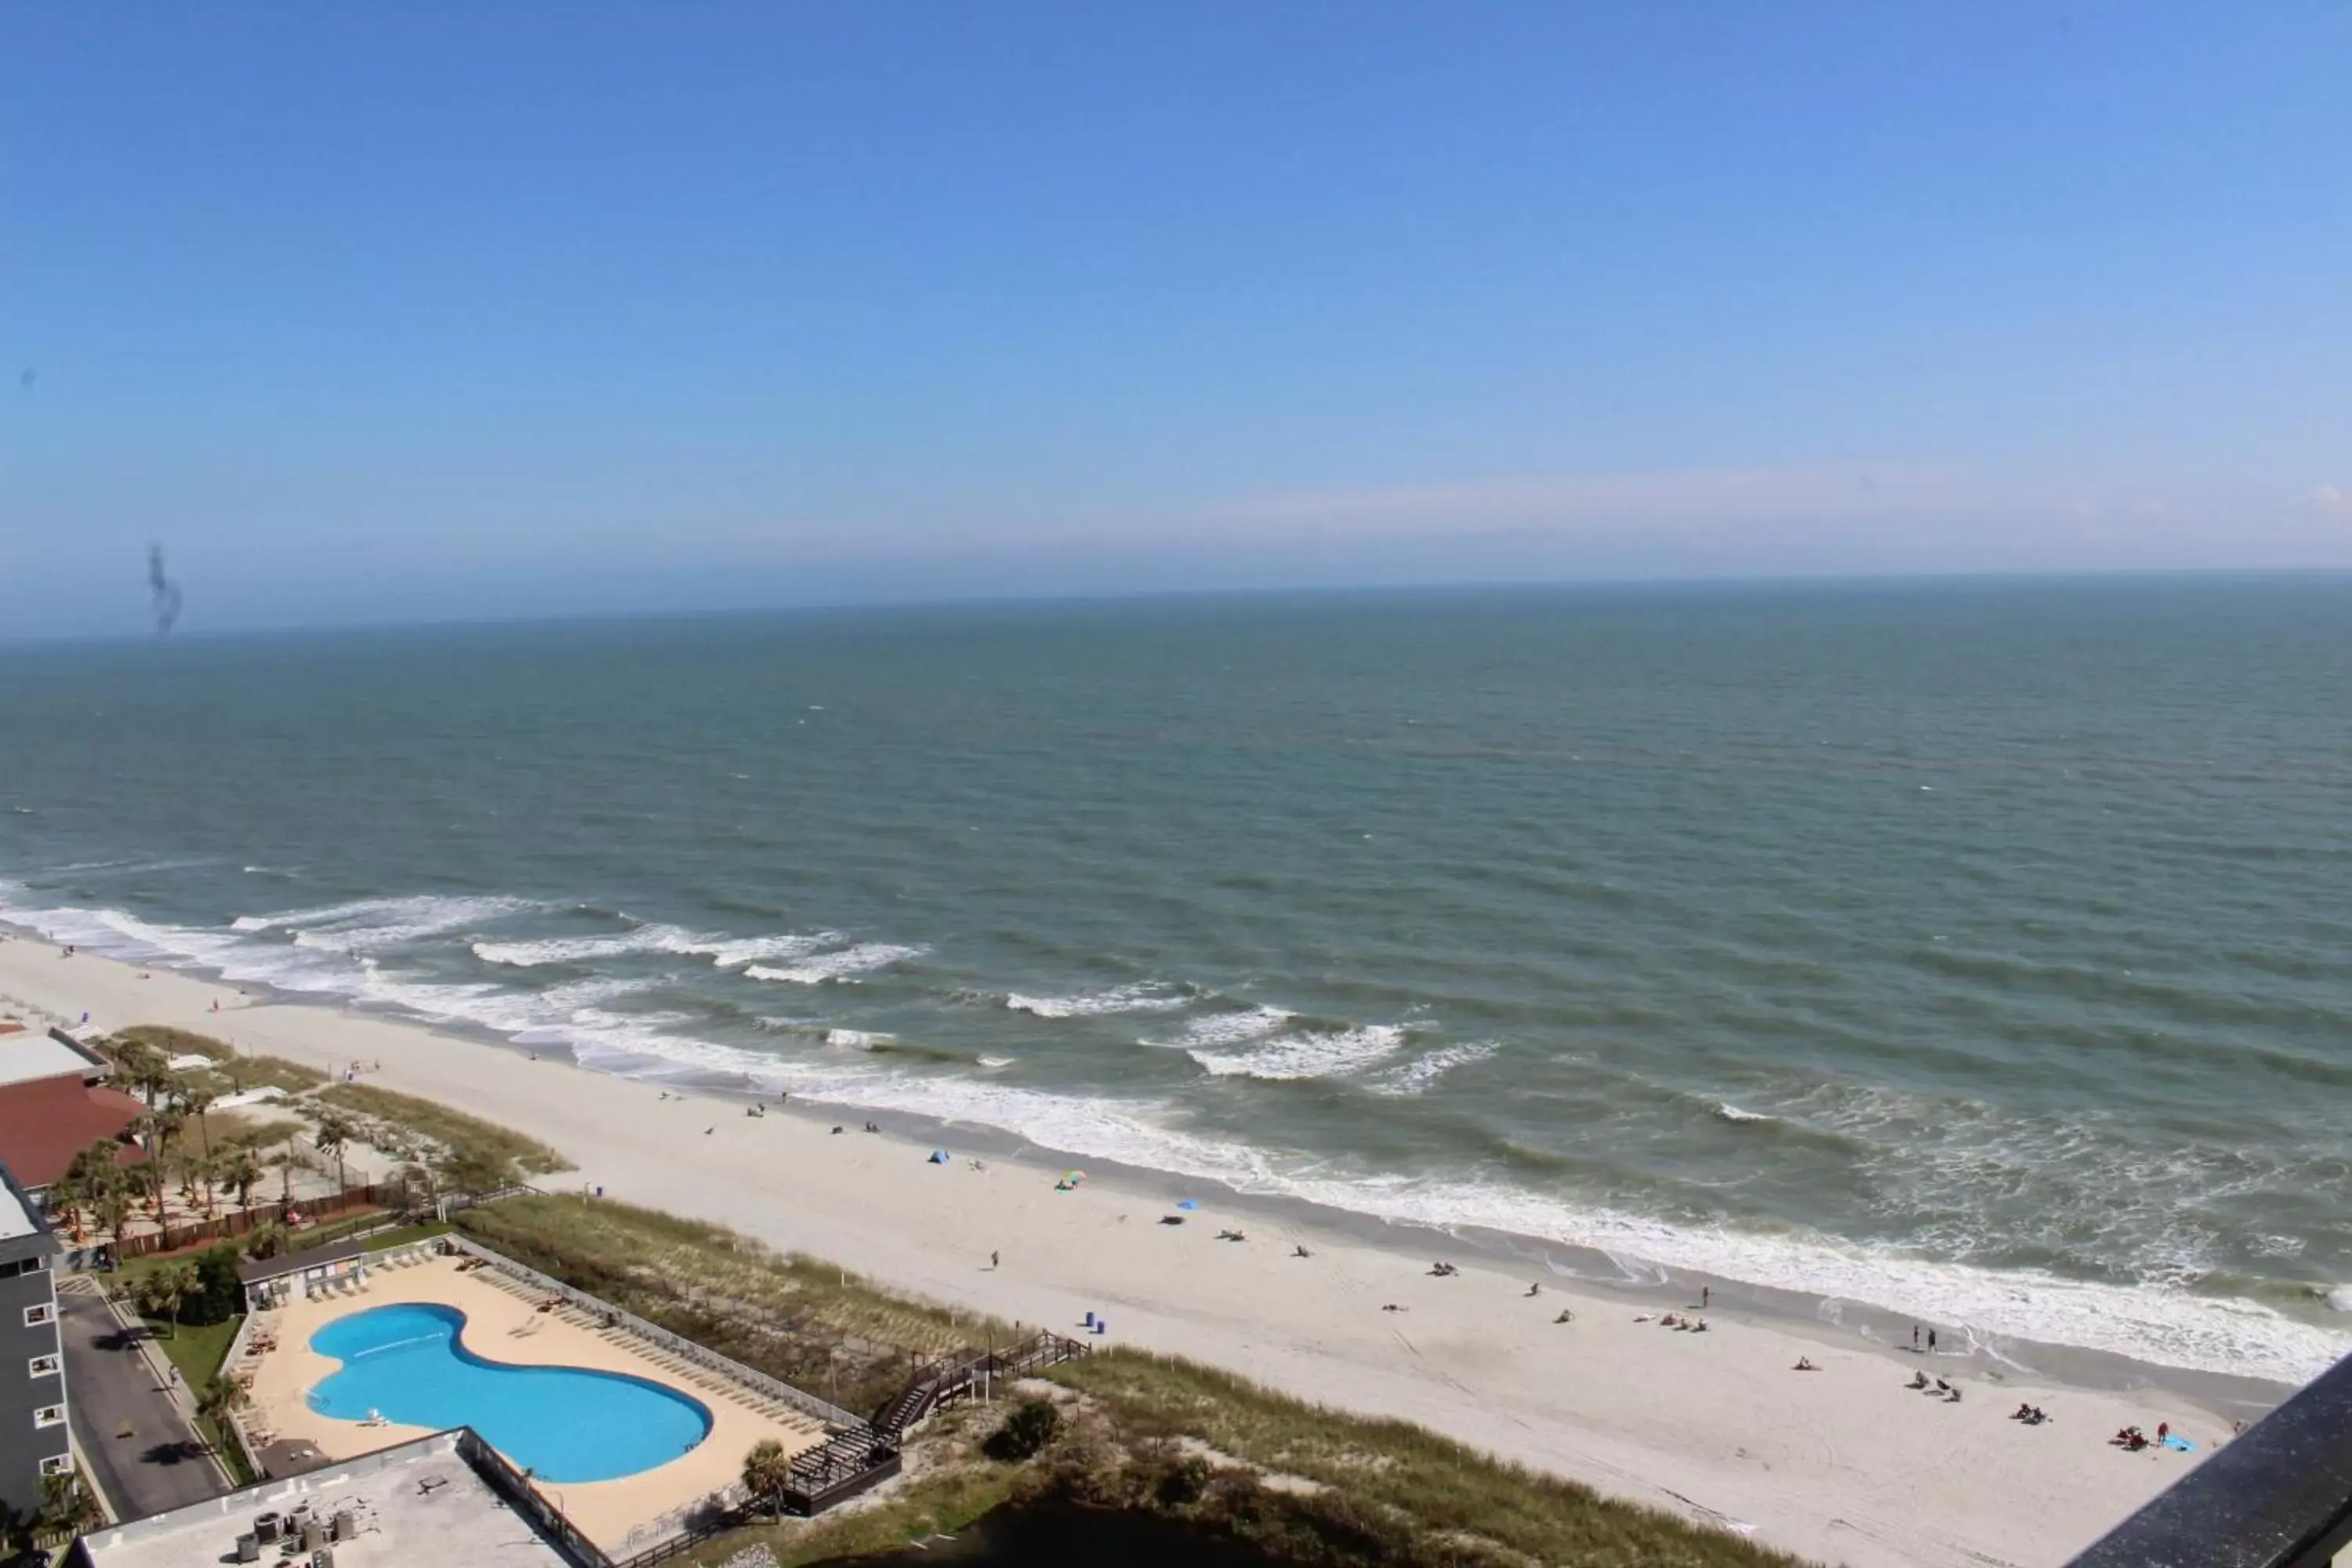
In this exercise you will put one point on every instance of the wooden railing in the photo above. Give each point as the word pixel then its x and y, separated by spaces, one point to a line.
pixel 953 1376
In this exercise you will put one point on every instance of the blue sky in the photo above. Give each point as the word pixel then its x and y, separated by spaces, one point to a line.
pixel 378 313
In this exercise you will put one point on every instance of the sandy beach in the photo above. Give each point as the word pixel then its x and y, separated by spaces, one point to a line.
pixel 1843 1464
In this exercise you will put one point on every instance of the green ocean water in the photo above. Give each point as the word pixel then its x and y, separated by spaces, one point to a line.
pixel 1975 949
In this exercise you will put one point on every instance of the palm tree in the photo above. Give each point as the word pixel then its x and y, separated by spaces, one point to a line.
pixel 241 1170
pixel 185 1282
pixel 334 1132
pixel 154 1079
pixel 112 1210
pixel 159 1128
pixel 223 1397
pixel 195 1101
pixel 66 1503
pixel 140 1064
pixel 767 1469
pixel 95 1170
pixel 206 1169
pixel 283 1163
pixel 159 1292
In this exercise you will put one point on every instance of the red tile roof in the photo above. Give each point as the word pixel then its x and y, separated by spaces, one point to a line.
pixel 45 1123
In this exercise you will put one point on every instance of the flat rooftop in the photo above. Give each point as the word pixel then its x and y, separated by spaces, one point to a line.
pixel 27 1054
pixel 16 1220
pixel 416 1505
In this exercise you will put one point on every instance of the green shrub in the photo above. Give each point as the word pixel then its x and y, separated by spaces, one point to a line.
pixel 218 1296
pixel 1026 1433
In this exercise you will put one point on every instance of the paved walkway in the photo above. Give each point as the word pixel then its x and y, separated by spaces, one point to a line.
pixel 112 1387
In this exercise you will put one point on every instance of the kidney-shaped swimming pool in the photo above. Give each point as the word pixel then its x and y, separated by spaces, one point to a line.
pixel 408 1364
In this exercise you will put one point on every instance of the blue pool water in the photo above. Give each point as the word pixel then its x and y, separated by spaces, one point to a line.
pixel 563 1423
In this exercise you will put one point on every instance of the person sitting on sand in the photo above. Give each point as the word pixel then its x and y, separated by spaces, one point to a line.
pixel 1670 1322
pixel 1535 1290
pixel 2024 1413
pixel 1565 1316
pixel 1952 1395
pixel 837 1129
pixel 1918 1379
pixel 1299 1250
pixel 1390 1307
pixel 1805 1363
pixel 1699 1327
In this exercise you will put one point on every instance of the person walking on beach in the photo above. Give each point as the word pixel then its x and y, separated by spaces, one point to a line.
pixel 1915 1338
pixel 1705 1292
pixel 1931 1342
pixel 991 1260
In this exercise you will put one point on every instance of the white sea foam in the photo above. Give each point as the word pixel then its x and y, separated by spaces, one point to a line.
pixel 1228 1028
pixel 724 951
pixel 400 921
pixel 1144 996
pixel 1415 1077
pixel 731 951
pixel 1730 1112
pixel 841 966
pixel 581 949
pixel 2169 1327
pixel 850 1040
pixel 1332 1055
pixel 2158 1323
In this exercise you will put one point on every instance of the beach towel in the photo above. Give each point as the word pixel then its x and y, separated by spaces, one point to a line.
pixel 1186 1204
pixel 939 1157
pixel 2174 1440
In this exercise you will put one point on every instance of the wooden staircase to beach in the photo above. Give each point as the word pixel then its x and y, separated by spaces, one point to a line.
pixel 955 1375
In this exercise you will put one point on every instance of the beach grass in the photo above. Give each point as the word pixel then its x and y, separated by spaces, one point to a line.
pixel 269 1072
pixel 940 1502
pixel 810 1323
pixel 468 1140
pixel 237 1130
pixel 170 1042
pixel 230 1072
pixel 1401 1481
pixel 1338 1489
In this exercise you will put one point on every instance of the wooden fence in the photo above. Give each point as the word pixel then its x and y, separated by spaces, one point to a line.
pixel 239 1223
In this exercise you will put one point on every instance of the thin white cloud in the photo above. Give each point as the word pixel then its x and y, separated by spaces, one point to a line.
pixel 1669 500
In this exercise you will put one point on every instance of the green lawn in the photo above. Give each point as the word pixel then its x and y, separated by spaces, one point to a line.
pixel 402 1235
pixel 327 1232
pixel 197 1350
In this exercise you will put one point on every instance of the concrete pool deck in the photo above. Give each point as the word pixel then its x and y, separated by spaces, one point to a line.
pixel 504 1324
